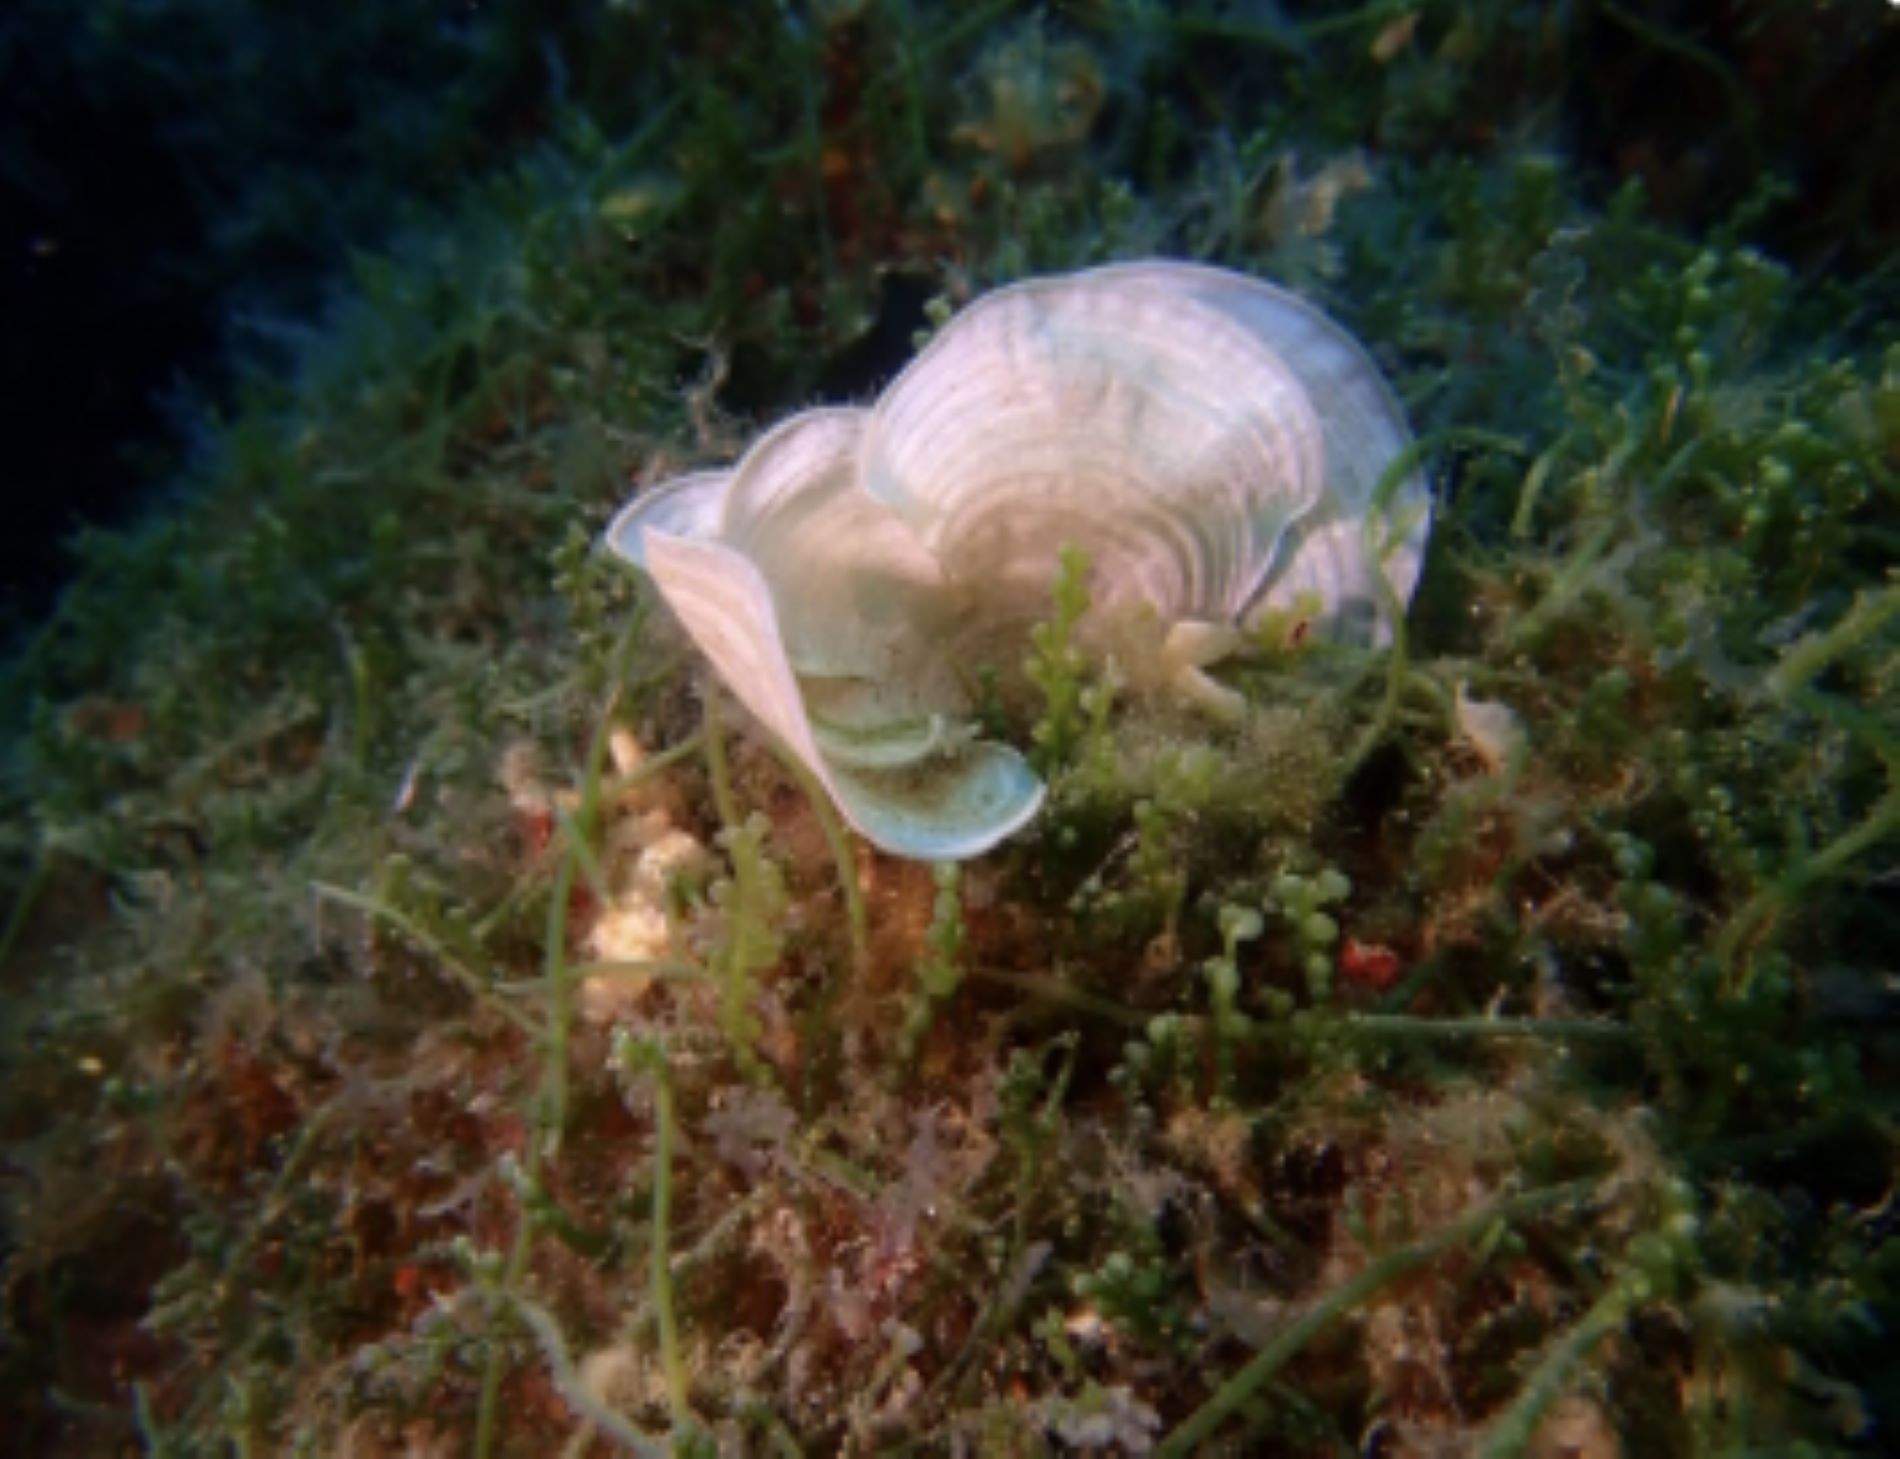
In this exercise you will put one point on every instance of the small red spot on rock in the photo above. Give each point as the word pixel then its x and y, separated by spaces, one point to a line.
pixel 1369 964
pixel 537 829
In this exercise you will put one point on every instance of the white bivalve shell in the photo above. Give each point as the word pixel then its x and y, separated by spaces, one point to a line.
pixel 1211 442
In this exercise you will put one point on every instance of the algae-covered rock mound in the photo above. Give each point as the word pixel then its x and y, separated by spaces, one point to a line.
pixel 441 1017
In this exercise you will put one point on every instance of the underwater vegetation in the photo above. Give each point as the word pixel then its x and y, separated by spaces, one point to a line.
pixel 437 1021
pixel 155 206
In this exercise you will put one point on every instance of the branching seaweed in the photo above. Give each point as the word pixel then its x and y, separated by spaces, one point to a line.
pixel 1388 1051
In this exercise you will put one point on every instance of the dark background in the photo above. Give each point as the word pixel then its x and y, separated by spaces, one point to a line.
pixel 180 180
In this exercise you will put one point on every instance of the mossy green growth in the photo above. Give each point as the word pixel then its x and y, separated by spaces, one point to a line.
pixel 940 970
pixel 1135 1290
pixel 1301 902
pixel 752 903
pixel 1237 925
pixel 1075 698
pixel 313 829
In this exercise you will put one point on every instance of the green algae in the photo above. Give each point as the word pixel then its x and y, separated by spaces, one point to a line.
pixel 312 811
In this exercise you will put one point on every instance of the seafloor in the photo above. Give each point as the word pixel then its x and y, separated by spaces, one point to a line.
pixel 433 1022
